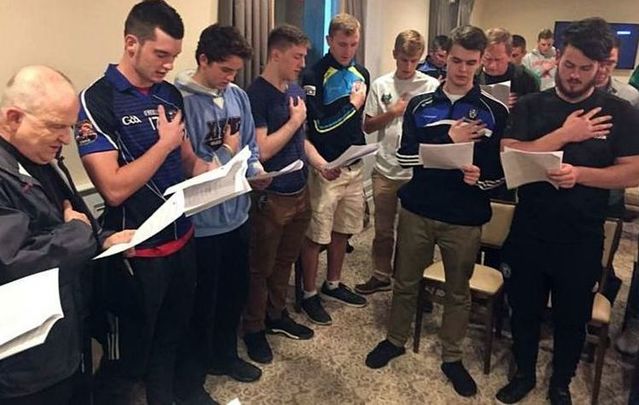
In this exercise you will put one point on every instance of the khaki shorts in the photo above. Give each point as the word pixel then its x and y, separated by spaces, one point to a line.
pixel 338 205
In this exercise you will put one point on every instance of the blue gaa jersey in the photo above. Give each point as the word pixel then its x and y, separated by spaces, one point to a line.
pixel 333 122
pixel 441 194
pixel 116 116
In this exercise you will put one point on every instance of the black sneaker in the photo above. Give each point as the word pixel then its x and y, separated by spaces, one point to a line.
pixel 201 397
pixel 559 395
pixel 258 348
pixel 238 370
pixel 384 352
pixel 344 295
pixel 315 312
pixel 457 374
pixel 373 285
pixel 288 327
pixel 516 389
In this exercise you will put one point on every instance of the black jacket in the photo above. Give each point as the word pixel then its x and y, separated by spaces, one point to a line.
pixel 34 238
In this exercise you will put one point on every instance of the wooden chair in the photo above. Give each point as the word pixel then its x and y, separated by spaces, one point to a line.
pixel 601 307
pixel 486 283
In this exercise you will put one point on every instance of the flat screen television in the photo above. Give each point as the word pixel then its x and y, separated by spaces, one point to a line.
pixel 627 33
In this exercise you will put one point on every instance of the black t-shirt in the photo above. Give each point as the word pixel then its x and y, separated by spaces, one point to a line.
pixel 522 81
pixel 577 213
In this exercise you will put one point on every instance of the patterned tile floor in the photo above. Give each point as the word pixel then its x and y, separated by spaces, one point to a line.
pixel 329 369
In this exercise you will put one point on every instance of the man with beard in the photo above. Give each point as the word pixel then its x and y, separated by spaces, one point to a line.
pixel 556 238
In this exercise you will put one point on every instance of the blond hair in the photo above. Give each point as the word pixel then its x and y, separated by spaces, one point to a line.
pixel 344 22
pixel 498 36
pixel 410 42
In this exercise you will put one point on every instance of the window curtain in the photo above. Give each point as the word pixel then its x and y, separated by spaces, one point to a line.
pixel 357 8
pixel 254 19
pixel 444 15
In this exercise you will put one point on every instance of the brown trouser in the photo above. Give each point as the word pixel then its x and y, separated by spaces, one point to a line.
pixel 416 240
pixel 278 225
pixel 385 199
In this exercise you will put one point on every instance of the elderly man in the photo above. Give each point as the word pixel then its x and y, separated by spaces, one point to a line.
pixel 45 225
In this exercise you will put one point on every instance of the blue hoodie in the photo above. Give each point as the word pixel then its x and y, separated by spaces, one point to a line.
pixel 206 112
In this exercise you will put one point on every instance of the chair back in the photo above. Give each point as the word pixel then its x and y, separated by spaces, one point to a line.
pixel 612 235
pixel 495 231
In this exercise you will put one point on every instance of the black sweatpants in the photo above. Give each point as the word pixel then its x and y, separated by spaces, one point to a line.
pixel 147 336
pixel 221 294
pixel 534 268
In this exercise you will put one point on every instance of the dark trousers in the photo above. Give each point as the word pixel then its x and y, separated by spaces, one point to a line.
pixel 147 336
pixel 222 289
pixel 65 392
pixel 569 272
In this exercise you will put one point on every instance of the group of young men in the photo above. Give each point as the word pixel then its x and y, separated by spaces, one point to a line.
pixel 176 302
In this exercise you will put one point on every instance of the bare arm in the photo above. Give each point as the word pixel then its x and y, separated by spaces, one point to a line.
pixel 272 143
pixel 577 127
pixel 624 173
pixel 318 162
pixel 117 183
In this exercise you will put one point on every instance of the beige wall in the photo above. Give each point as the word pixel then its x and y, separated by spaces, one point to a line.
pixel 80 40
pixel 527 18
pixel 386 19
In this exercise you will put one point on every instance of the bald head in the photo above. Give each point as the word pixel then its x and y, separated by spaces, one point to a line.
pixel 34 87
pixel 37 111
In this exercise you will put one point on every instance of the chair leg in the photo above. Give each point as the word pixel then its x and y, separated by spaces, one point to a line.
pixel 499 313
pixel 599 362
pixel 419 314
pixel 488 347
pixel 298 285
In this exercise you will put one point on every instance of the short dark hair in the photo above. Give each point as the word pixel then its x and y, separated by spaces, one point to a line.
pixel 616 42
pixel 592 36
pixel 219 42
pixel 441 42
pixel 148 15
pixel 285 36
pixel 519 41
pixel 469 37
pixel 544 34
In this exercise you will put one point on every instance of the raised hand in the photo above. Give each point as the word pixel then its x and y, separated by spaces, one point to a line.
pixel 580 126
pixel 171 133
pixel 466 131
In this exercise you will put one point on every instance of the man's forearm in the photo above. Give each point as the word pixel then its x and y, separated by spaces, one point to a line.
pixel 273 143
pixel 550 142
pixel 621 175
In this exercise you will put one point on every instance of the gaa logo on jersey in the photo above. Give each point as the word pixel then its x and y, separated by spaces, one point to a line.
pixel 85 133
pixel 386 98
pixel 130 120
pixel 310 90
pixel 472 114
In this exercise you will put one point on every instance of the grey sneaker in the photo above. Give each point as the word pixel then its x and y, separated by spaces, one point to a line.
pixel 373 285
pixel 344 295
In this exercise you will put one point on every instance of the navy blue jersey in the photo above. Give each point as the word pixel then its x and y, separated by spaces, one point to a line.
pixel 116 116
pixel 270 108
pixel 442 194
pixel 333 122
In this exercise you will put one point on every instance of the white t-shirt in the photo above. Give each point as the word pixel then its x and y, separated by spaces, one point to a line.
pixel 385 91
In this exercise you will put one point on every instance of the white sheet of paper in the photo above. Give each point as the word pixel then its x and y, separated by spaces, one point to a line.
pixel 487 132
pixel 164 216
pixel 353 153
pixel 215 186
pixel 501 91
pixel 296 165
pixel 29 307
pixel 522 167
pixel 446 156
